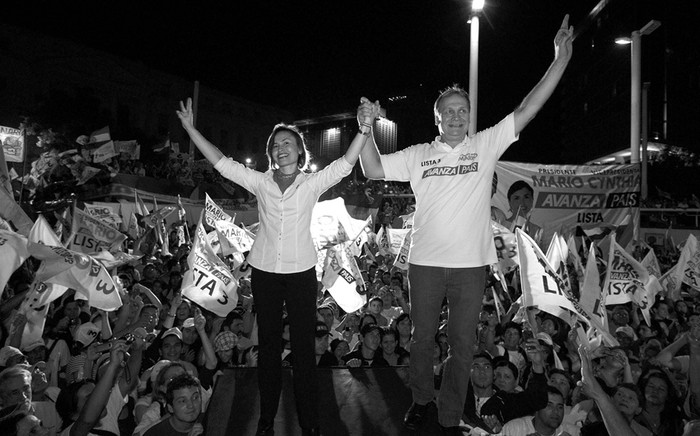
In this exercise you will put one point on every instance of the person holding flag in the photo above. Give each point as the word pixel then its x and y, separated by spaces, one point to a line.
pixel 283 257
pixel 452 242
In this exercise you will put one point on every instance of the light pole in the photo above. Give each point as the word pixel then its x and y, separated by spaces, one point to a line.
pixel 636 84
pixel 477 6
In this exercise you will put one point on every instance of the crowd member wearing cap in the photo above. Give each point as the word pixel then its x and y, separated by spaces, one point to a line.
pixel 83 337
pixel 488 408
pixel 324 358
pixel 169 347
pixel 367 354
pixel 227 353
pixel 11 356
pixel 283 256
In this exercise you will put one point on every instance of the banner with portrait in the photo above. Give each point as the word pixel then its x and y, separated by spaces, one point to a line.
pixel 544 199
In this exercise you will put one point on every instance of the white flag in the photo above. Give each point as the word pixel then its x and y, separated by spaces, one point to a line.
pixel 209 282
pixel 79 271
pixel 627 280
pixel 232 238
pixel 90 235
pixel 339 277
pixel 401 260
pixel 214 212
pixel 592 297
pixel 13 252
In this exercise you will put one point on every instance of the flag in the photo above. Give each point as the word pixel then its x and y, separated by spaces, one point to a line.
pixel 673 278
pixel 340 273
pixel 691 274
pixel 396 238
pixel 5 180
pixel 401 260
pixel 13 252
pixel 12 143
pixel 79 271
pixel 542 286
pixel 140 206
pixel 506 247
pixel 575 259
pixel 232 238
pixel 592 297
pixel 627 280
pixel 382 241
pixel 35 307
pixel 104 152
pixel 134 230
pixel 209 282
pixel 12 212
pixel 90 235
pixel 361 229
pixel 557 257
pixel 100 136
pixel 181 213
pixel 331 223
pixel 214 212
pixel 651 263
pixel 104 213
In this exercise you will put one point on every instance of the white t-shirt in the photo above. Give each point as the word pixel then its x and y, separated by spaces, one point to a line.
pixel 522 427
pixel 452 186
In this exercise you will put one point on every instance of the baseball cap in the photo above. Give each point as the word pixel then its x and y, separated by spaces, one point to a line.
pixel 7 352
pixel 155 369
pixel 321 329
pixel 33 345
pixel 627 331
pixel 225 341
pixel 174 331
pixel 368 328
pixel 86 333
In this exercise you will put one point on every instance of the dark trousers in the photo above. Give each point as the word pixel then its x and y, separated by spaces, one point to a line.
pixel 297 291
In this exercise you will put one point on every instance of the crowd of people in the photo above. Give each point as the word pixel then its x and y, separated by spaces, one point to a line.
pixel 486 364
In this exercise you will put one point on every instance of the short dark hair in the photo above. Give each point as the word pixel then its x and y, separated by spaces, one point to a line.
pixel 304 156
pixel 634 388
pixel 181 381
pixel 502 361
pixel 517 186
pixel 450 90
pixel 513 325
pixel 555 391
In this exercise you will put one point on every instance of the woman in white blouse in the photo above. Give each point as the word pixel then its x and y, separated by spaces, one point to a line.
pixel 283 256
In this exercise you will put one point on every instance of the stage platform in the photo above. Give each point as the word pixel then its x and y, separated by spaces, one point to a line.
pixel 362 402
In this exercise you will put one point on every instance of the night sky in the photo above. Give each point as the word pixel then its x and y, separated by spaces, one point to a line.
pixel 315 58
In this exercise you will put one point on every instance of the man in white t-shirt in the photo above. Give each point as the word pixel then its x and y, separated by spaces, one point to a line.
pixel 546 421
pixel 452 242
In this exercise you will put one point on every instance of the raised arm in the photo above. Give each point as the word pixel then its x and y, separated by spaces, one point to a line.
pixel 369 157
pixel 533 102
pixel 208 149
pixel 612 417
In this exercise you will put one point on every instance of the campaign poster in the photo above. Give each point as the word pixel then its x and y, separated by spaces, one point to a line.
pixel 12 144
pixel 544 199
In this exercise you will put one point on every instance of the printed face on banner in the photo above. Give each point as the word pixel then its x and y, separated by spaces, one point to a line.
pixel 567 196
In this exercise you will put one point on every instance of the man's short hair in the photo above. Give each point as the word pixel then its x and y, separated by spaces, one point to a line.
pixel 503 361
pixel 515 326
pixel 555 391
pixel 12 372
pixel 376 298
pixel 450 90
pixel 181 381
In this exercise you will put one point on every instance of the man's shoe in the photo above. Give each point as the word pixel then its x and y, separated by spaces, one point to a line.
pixel 265 429
pixel 414 416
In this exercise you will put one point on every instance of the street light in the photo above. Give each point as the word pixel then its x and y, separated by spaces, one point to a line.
pixel 636 84
pixel 477 6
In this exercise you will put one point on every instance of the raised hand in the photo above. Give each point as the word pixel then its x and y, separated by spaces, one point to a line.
pixel 186 114
pixel 563 41
pixel 367 112
pixel 200 321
